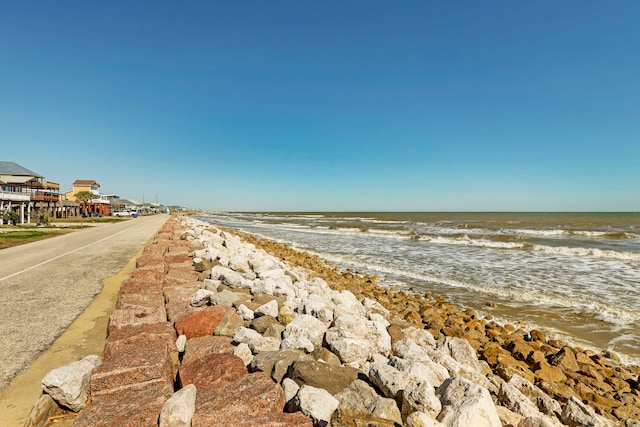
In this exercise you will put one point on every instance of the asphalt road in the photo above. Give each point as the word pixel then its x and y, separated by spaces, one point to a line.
pixel 45 285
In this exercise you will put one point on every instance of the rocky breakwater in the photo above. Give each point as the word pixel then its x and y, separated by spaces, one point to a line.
pixel 259 334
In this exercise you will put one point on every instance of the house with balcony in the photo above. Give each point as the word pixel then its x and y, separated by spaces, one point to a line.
pixel 98 205
pixel 25 193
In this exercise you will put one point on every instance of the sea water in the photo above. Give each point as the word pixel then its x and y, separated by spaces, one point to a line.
pixel 576 275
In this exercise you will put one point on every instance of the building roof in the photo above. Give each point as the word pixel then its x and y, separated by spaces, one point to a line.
pixel 11 168
pixel 87 182
pixel 20 180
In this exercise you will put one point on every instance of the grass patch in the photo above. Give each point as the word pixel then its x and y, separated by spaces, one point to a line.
pixel 20 237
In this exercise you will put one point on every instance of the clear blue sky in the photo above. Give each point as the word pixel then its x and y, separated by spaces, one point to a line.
pixel 329 106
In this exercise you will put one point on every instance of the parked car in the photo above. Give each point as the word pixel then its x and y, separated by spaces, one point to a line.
pixel 122 213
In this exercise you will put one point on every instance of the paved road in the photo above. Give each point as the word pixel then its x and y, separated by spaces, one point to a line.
pixel 45 285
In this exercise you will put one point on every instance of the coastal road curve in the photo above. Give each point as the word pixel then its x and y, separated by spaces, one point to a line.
pixel 46 284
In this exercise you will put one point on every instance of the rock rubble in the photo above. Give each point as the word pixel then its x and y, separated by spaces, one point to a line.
pixel 249 332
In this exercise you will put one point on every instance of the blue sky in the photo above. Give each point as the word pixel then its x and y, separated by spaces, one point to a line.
pixel 329 106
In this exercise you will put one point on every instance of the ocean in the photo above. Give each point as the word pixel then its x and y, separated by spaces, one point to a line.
pixel 575 275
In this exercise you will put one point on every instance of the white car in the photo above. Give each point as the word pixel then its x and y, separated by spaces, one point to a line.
pixel 122 213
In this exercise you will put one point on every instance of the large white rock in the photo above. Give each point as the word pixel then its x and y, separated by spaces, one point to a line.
pixel 361 397
pixel 513 399
pixel 427 370
pixel 347 304
pixel 388 379
pixel 466 404
pixel 268 309
pixel 316 403
pixel 373 306
pixel 461 351
pixel 229 277
pixel 69 384
pixel 318 306
pixel 290 388
pixel 240 264
pixel 304 326
pixel 422 337
pixel 245 312
pixel 407 349
pixel 178 410
pixel 420 395
pixel 576 413
pixel 355 339
pixel 246 335
pixel 420 419
pixel 201 298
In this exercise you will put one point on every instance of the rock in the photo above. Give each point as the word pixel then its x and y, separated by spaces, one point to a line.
pixel 277 363
pixel 245 312
pixel 334 379
pixel 324 355
pixel 290 388
pixel 244 352
pixel 420 419
pixel 420 396
pixel 178 410
pixel 427 369
pixel 246 335
pixel 211 370
pixel 347 304
pixel 261 324
pixel 69 385
pixel 461 351
pixel 202 346
pixel 316 403
pixel 201 298
pixel 229 277
pixel 388 379
pixel 547 373
pixel 346 418
pixel 202 322
pixel 253 400
pixel 181 342
pixel 355 339
pixel 545 404
pixel 575 413
pixel 274 330
pixel 224 297
pixel 229 325
pixel 375 307
pixel 320 307
pixel 465 403
pixel 422 337
pixel 264 344
pixel 44 407
pixel 268 309
pixel 302 330
pixel 512 398
pixel 565 359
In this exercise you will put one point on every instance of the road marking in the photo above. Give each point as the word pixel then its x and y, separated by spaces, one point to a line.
pixel 67 253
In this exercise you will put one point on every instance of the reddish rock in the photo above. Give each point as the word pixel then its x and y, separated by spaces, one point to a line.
pixel 163 329
pixel 201 322
pixel 137 362
pixel 203 346
pixel 177 256
pixel 135 300
pixel 180 273
pixel 149 273
pixel 212 369
pixel 178 299
pixel 248 401
pixel 150 260
pixel 141 286
pixel 127 408
pixel 136 316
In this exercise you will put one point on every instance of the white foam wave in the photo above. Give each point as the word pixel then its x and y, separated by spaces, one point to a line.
pixel 480 243
pixel 587 252
pixel 540 232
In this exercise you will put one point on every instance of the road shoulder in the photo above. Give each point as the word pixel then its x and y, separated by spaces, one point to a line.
pixel 85 336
